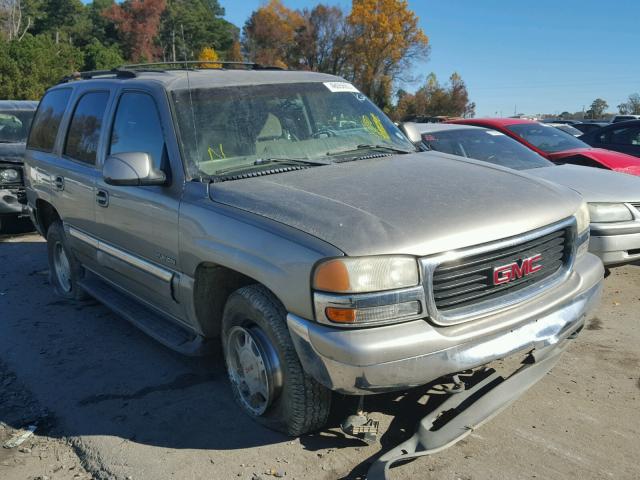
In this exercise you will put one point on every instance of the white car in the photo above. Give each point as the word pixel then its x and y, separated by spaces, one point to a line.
pixel 613 198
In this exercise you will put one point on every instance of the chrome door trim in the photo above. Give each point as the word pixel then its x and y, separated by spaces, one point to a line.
pixel 133 260
pixel 482 308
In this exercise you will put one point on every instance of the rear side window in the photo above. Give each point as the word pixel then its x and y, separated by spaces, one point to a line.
pixel 84 129
pixel 47 120
pixel 137 127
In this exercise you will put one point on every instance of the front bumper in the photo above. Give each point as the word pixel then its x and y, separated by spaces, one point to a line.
pixel 616 244
pixel 395 357
pixel 11 199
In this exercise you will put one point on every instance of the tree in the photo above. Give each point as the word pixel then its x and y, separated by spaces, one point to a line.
pixel 208 55
pixel 15 19
pixel 323 39
pixel 631 106
pixel 98 56
pixel 29 66
pixel 65 20
pixel 598 107
pixel 434 99
pixel 188 26
pixel 137 23
pixel 235 53
pixel 385 40
pixel 270 34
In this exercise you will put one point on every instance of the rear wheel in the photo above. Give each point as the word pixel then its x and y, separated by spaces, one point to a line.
pixel 64 270
pixel 266 376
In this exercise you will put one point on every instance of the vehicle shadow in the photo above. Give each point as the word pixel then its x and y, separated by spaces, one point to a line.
pixel 95 374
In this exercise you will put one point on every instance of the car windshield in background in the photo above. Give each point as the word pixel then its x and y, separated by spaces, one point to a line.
pixel 14 125
pixel 547 138
pixel 231 129
pixel 486 145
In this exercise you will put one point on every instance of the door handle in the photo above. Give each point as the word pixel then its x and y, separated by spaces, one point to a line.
pixel 102 198
pixel 58 183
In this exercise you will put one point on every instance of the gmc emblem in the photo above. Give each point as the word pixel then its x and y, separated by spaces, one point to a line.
pixel 513 271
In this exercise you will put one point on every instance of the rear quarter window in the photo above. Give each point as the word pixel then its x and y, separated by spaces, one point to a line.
pixel 47 120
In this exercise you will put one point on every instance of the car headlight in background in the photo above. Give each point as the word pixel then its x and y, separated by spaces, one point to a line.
pixel 582 225
pixel 365 274
pixel 9 175
pixel 609 212
pixel 361 291
pixel 582 218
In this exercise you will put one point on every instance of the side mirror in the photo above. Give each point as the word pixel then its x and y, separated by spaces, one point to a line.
pixel 131 169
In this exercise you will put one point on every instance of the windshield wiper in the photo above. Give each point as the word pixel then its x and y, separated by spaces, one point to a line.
pixel 266 161
pixel 368 146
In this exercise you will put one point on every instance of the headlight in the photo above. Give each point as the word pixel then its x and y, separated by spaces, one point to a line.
pixel 366 274
pixel 609 212
pixel 9 175
pixel 582 218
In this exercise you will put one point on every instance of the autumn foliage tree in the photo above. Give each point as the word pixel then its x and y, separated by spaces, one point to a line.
pixel 386 39
pixel 434 99
pixel 137 23
pixel 270 35
pixel 208 56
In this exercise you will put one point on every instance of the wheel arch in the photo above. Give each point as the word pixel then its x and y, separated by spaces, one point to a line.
pixel 213 285
pixel 45 214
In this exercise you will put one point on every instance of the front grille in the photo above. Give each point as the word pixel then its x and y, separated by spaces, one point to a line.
pixel 469 280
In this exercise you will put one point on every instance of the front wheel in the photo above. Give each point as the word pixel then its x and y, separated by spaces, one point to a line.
pixel 266 376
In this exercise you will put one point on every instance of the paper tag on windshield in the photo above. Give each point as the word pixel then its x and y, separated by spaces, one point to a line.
pixel 340 87
pixel 493 132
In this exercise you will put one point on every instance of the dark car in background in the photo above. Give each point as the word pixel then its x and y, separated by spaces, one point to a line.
pixel 622 137
pixel 588 127
pixel 15 120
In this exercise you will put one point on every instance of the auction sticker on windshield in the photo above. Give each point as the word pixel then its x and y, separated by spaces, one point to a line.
pixel 340 87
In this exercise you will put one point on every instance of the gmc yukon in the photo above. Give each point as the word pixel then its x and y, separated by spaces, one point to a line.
pixel 283 216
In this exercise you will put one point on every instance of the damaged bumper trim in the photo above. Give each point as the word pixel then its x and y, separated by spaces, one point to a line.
pixel 492 395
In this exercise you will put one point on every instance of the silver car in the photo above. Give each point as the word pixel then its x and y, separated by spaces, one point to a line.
pixel 284 217
pixel 613 198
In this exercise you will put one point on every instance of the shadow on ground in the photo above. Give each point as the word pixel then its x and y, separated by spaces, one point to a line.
pixel 95 374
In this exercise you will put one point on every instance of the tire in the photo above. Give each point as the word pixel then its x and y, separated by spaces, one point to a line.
pixel 296 403
pixel 65 285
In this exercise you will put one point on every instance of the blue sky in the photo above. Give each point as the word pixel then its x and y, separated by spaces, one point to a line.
pixel 542 56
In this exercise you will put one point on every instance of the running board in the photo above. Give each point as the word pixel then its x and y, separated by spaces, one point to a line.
pixel 146 319
pixel 474 407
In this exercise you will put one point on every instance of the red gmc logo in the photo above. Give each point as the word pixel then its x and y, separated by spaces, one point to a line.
pixel 515 270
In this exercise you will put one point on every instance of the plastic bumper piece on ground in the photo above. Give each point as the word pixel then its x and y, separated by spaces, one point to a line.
pixel 474 407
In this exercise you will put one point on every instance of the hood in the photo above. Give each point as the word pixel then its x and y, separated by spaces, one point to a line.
pixel 594 184
pixel 614 160
pixel 417 204
pixel 12 152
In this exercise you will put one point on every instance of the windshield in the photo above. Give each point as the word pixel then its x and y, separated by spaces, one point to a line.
pixel 547 138
pixel 571 130
pixel 486 145
pixel 237 128
pixel 14 125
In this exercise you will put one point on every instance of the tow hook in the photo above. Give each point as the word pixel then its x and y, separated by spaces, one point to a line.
pixel 360 426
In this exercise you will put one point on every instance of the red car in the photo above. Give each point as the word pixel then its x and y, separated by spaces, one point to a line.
pixel 556 145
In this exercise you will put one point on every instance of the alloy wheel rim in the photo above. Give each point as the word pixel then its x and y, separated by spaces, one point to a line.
pixel 253 367
pixel 62 267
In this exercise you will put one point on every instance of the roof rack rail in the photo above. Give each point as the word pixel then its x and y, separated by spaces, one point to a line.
pixel 115 72
pixel 195 64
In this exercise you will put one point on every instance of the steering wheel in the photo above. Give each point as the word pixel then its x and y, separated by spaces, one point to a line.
pixel 325 131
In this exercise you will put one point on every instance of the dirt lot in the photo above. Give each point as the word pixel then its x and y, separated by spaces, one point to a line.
pixel 110 403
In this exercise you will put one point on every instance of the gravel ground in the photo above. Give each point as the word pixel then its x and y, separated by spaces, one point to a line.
pixel 110 403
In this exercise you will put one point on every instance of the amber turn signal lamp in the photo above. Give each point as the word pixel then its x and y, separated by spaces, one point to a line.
pixel 332 276
pixel 341 315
